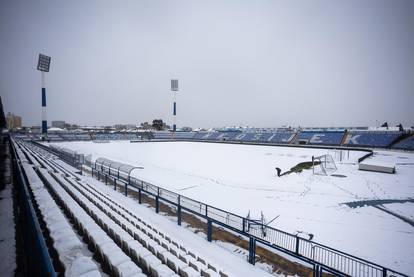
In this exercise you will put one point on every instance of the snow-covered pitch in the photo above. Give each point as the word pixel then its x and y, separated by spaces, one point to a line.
pixel 242 178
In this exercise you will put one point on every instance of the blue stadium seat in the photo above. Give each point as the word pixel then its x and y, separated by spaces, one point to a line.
pixel 69 136
pixel 162 135
pixel 83 136
pixel 321 138
pixel 113 136
pixel 129 136
pixel 278 137
pixel 207 135
pixel 213 136
pixel 184 135
pixel 371 138
pixel 406 144
pixel 171 135
pixel 251 137
pixel 227 135
pixel 281 137
pixel 200 135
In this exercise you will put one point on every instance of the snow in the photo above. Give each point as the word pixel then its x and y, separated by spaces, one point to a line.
pixel 242 178
pixel 404 209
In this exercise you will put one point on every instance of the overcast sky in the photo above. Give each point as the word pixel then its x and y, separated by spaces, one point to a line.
pixel 256 63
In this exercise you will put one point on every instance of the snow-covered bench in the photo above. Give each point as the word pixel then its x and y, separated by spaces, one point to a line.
pixel 113 223
pixel 109 249
pixel 70 249
pixel 118 262
pixel 150 237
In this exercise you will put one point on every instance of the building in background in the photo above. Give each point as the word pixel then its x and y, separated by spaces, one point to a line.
pixel 58 124
pixel 3 121
pixel 13 121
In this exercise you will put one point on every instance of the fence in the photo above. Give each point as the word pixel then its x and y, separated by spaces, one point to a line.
pixel 320 257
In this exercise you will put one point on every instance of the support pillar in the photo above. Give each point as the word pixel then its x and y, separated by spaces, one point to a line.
pixel 209 230
pixel 44 115
pixel 179 211
pixel 139 196
pixel 252 250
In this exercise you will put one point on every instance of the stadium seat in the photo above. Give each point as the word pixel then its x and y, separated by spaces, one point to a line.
pixel 321 138
pixel 405 144
pixel 371 138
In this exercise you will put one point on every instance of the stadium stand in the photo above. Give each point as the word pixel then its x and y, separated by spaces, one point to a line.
pixel 83 136
pixel 279 137
pixel 208 135
pixel 247 137
pixel 162 135
pixel 184 135
pixel 361 138
pixel 228 135
pixel 171 135
pixel 371 138
pixel 201 135
pixel 321 138
pixel 406 144
pixel 114 136
pixel 69 136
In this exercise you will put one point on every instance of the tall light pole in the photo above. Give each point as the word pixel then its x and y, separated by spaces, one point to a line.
pixel 174 89
pixel 43 65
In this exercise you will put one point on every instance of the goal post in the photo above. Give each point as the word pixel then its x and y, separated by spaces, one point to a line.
pixel 323 165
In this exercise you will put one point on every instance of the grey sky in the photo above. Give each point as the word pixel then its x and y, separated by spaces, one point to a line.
pixel 258 63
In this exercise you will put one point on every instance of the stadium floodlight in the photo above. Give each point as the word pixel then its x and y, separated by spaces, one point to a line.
pixel 174 89
pixel 174 84
pixel 43 66
pixel 43 63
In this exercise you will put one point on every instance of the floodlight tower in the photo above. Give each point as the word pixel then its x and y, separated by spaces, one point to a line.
pixel 43 65
pixel 174 89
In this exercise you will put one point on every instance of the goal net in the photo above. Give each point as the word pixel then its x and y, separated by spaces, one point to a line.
pixel 339 155
pixel 323 165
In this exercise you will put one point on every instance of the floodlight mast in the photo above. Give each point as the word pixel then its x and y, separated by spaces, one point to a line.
pixel 174 89
pixel 43 66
